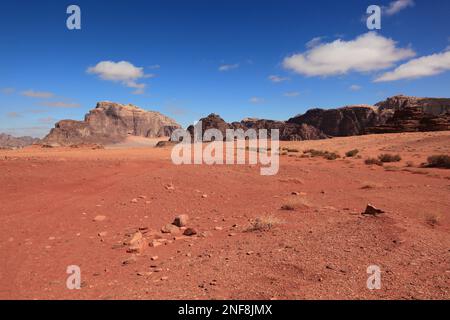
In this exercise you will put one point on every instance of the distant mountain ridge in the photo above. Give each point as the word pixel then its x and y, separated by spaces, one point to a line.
pixel 395 114
pixel 111 122
pixel 10 142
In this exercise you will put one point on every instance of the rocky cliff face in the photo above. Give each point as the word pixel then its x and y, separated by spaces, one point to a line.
pixel 110 123
pixel 9 142
pixel 288 131
pixel 434 106
pixel 413 119
pixel 346 121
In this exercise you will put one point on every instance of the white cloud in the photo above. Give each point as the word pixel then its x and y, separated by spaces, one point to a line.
pixel 8 90
pixel 13 114
pixel 397 6
pixel 47 120
pixel 355 87
pixel 314 42
pixel 417 68
pixel 228 67
pixel 60 104
pixel 275 78
pixel 368 52
pixel 123 72
pixel 291 94
pixel 154 66
pixel 256 100
pixel 37 94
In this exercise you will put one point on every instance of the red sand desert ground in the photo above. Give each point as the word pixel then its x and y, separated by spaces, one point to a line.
pixel 321 250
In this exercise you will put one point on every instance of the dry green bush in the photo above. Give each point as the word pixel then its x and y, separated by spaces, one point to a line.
pixel 386 157
pixel 372 161
pixel 352 153
pixel 263 223
pixel 438 161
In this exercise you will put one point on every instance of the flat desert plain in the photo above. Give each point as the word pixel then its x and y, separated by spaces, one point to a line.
pixel 299 234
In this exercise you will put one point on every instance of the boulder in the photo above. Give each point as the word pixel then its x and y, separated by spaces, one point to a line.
pixel 181 220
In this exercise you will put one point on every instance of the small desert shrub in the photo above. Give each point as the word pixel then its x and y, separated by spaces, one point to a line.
pixel 294 204
pixel 372 161
pixel 432 219
pixel 263 223
pixel 371 185
pixel 409 164
pixel 439 161
pixel 352 153
pixel 320 153
pixel 386 157
pixel 331 155
pixel 292 150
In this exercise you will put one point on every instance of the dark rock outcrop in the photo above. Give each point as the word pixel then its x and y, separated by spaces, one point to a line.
pixel 110 123
pixel 288 131
pixel 213 121
pixel 413 119
pixel 9 142
pixel 346 121
pixel 434 106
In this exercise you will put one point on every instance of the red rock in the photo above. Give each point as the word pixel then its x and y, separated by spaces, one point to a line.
pixel 181 220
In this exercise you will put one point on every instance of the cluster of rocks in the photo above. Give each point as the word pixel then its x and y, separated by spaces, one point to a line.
pixel 111 123
pixel 138 240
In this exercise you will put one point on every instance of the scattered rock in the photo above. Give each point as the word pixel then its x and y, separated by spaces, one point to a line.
pixel 190 232
pixel 130 260
pixel 99 218
pixel 155 243
pixel 144 273
pixel 134 200
pixel 137 244
pixel 135 238
pixel 169 187
pixel 372 211
pixel 204 196
pixel 154 258
pixel 170 228
pixel 218 228
pixel 137 247
pixel 102 234
pixel 181 220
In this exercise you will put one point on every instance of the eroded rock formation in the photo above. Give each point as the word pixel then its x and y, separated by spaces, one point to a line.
pixel 110 123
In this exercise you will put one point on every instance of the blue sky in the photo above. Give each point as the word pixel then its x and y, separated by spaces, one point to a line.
pixel 186 59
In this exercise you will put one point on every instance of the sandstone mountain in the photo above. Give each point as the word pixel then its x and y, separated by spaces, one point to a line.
pixel 9 142
pixel 396 114
pixel 111 123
